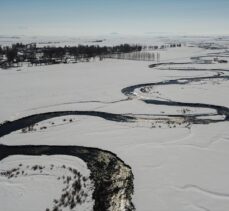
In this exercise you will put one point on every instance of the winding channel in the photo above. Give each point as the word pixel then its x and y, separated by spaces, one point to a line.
pixel 191 118
pixel 113 179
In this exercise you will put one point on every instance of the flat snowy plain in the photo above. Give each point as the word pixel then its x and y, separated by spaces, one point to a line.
pixel 178 167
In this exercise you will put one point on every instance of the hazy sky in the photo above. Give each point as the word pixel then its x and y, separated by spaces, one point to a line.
pixel 99 17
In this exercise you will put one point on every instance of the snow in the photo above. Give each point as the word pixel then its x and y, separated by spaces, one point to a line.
pixel 181 168
pixel 37 189
pixel 39 86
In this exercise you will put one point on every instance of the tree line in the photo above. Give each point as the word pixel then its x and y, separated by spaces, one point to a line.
pixel 10 55
pixel 137 55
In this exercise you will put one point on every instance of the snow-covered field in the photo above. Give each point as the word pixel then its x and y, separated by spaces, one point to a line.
pixel 176 165
pixel 40 182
